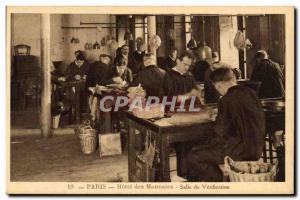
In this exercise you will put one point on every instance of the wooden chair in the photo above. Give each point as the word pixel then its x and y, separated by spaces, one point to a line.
pixel 30 89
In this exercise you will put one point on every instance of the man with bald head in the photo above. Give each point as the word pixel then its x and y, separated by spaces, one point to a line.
pixel 239 130
pixel 269 74
pixel 150 77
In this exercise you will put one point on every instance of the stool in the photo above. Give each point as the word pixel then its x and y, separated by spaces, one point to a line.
pixel 269 154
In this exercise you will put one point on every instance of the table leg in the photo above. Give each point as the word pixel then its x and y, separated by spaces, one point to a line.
pixel 164 170
pixel 131 152
pixel 281 163
pixel 107 122
pixel 77 106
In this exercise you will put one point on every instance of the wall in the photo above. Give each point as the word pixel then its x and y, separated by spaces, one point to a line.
pixel 265 32
pixel 139 32
pixel 228 28
pixel 164 23
pixel 26 29
pixel 85 35
pixel 165 28
pixel 56 40
pixel 211 32
pixel 180 34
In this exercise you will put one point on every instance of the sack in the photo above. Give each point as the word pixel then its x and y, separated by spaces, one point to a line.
pixel 154 111
pixel 110 144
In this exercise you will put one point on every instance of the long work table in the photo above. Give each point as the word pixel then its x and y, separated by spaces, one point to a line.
pixel 180 127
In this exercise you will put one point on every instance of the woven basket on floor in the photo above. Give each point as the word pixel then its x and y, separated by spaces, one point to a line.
pixel 81 128
pixel 88 141
pixel 235 176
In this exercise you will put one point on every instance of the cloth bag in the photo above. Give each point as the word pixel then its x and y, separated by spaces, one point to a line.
pixel 110 144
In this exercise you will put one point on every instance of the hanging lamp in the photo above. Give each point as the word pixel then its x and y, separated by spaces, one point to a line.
pixel 128 35
pixel 203 51
pixel 192 44
pixel 96 44
pixel 73 38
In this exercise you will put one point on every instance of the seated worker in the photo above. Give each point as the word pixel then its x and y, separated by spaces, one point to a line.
pixel 139 53
pixel 132 64
pixel 170 61
pixel 179 80
pixel 211 95
pixel 151 77
pixel 203 63
pixel 120 73
pixel 96 76
pixel 98 71
pixel 239 130
pixel 77 69
pixel 269 74
pixel 199 70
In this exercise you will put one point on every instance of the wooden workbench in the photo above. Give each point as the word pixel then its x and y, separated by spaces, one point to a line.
pixel 79 86
pixel 165 133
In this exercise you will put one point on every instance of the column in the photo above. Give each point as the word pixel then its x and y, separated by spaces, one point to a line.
pixel 46 76
pixel 151 30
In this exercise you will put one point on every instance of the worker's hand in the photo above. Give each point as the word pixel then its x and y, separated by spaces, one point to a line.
pixel 98 89
pixel 84 77
pixel 213 114
pixel 62 78
pixel 77 77
pixel 213 117
pixel 117 80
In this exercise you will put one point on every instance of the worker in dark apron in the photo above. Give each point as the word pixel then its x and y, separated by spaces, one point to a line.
pixel 239 131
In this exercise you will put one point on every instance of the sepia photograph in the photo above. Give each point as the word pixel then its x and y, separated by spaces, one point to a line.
pixel 150 100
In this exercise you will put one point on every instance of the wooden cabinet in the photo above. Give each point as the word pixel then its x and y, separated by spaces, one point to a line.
pixel 25 81
pixel 25 66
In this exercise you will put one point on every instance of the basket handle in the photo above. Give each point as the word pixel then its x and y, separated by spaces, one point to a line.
pixel 87 122
pixel 87 127
pixel 227 161
pixel 274 168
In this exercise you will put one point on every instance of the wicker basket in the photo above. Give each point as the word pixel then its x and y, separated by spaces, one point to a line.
pixel 235 176
pixel 88 141
pixel 82 128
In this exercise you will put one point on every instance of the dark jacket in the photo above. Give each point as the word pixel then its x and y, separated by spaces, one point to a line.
pixel 199 70
pixel 97 74
pixel 211 95
pixel 151 79
pixel 169 63
pixel 239 132
pixel 271 77
pixel 178 84
pixel 240 124
pixel 138 56
pixel 126 76
pixel 73 70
